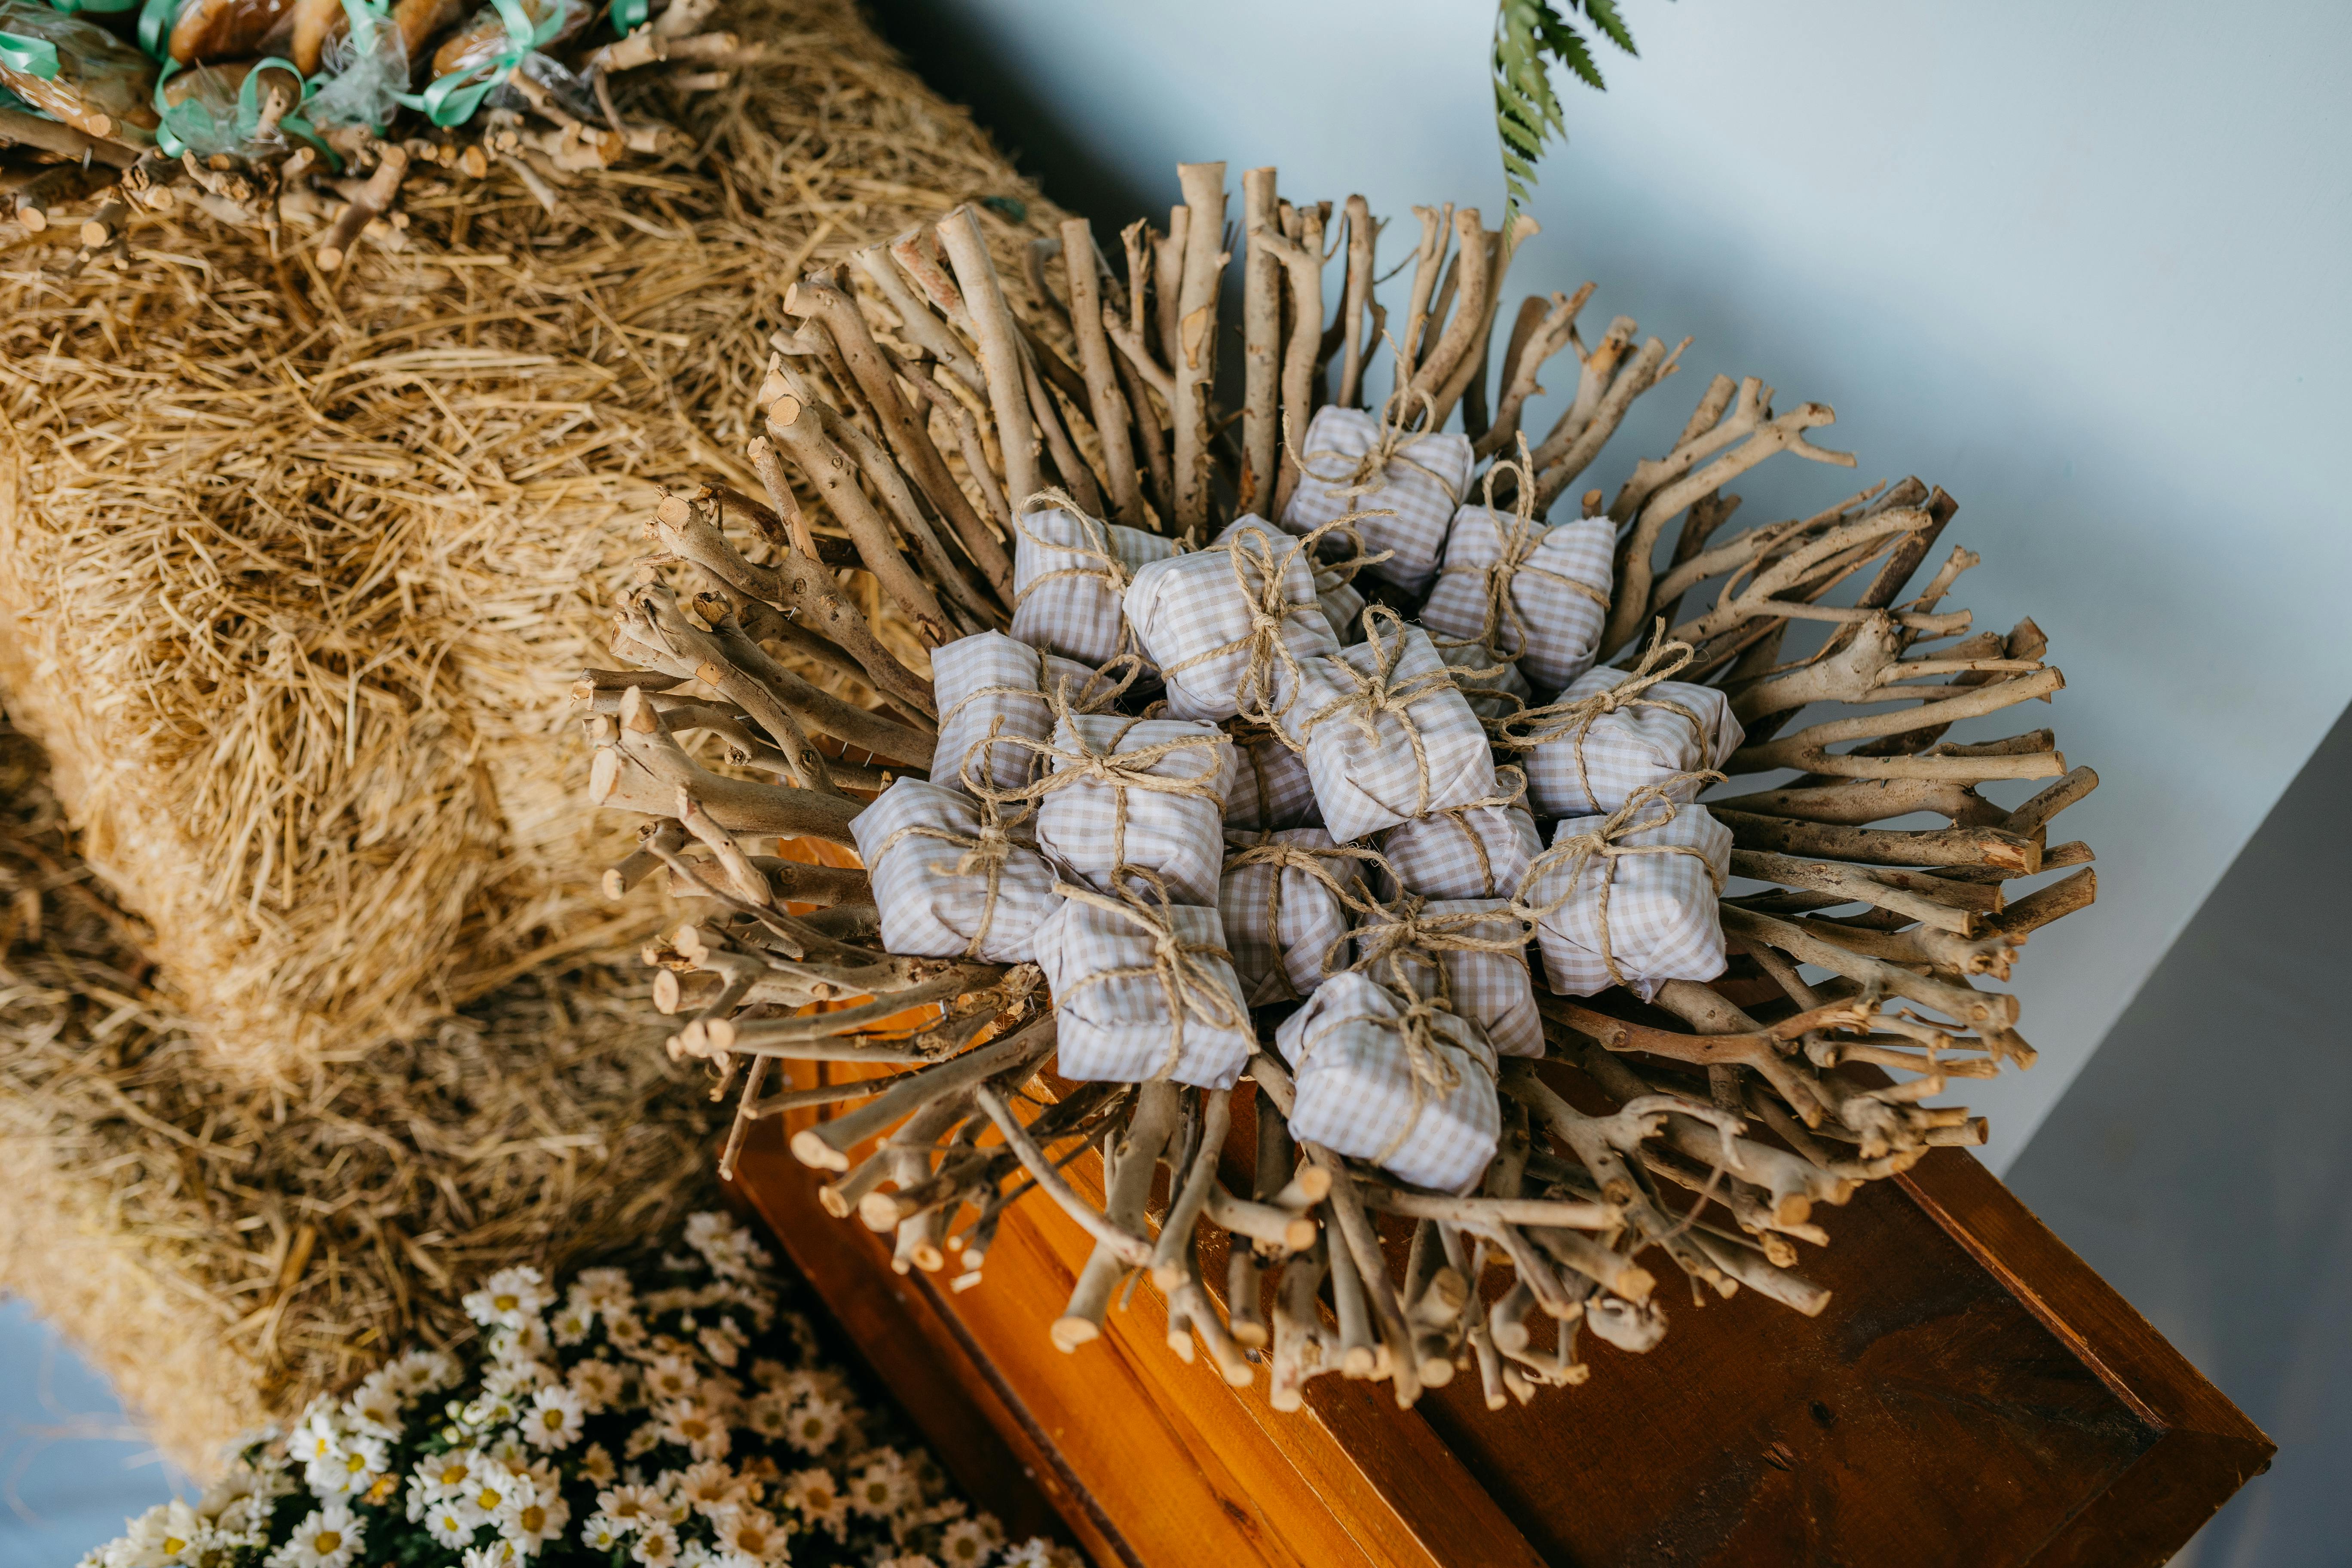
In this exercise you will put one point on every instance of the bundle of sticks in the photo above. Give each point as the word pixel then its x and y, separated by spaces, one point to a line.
pixel 303 122
pixel 770 685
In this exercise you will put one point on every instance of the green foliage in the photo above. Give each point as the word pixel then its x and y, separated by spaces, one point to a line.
pixel 1530 34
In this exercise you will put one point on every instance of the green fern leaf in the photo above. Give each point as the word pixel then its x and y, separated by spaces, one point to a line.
pixel 1530 36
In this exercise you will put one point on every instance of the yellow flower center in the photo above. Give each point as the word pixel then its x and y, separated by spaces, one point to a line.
pixel 451 1475
pixel 325 1541
pixel 355 1463
pixel 506 1303
pixel 488 1499
pixel 173 1544
pixel 552 1419
pixel 533 1518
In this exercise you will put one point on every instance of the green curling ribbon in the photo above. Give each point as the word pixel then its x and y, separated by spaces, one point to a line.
pixel 71 7
pixel 179 119
pixel 628 15
pixel 155 19
pixel 34 56
pixel 451 99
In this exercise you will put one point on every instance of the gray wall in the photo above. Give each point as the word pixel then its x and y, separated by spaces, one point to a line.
pixel 2202 1162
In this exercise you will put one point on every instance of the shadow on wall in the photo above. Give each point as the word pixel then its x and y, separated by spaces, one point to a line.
pixel 2201 1162
pixel 941 44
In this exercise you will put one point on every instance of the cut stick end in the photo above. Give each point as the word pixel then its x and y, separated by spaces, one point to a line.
pixel 814 1152
pixel 1069 1333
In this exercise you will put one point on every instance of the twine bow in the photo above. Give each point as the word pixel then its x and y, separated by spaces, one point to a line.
pixel 984 855
pixel 1368 472
pixel 1315 862
pixel 1429 1057
pixel 1192 988
pixel 1516 541
pixel 1097 698
pixel 1579 851
pixel 1269 606
pixel 451 99
pixel 1381 693
pixel 1534 727
pixel 1121 771
pixel 1093 546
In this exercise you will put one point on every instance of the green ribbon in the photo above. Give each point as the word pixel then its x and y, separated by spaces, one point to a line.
pixel 628 15
pixel 451 99
pixel 155 19
pixel 71 7
pixel 180 118
pixel 34 56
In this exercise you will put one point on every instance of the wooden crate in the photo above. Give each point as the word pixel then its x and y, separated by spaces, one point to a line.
pixel 1974 1395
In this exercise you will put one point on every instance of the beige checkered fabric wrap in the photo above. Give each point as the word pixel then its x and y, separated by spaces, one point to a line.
pixel 1143 989
pixel 1493 687
pixel 1405 486
pixel 1272 788
pixel 1397 1080
pixel 1287 900
pixel 1121 793
pixel 1386 734
pixel 991 684
pixel 1538 594
pixel 949 881
pixel 1229 626
pixel 1070 573
pixel 1480 951
pixel 1476 851
pixel 1630 899
pixel 1615 733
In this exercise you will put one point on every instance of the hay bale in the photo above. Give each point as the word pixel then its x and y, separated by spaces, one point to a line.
pixel 224 1251
pixel 292 562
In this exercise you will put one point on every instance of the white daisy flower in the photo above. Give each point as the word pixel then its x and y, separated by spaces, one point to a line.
pixel 533 1518
pixel 599 1383
pixel 769 1373
pixel 599 1534
pixel 882 1488
pixel 327 1538
pixel 416 1373
pixel 692 1425
pixel 445 1475
pixel 1033 1553
pixel 375 1405
pixel 529 1342
pixel 754 1536
pixel 711 1489
pixel 768 1414
pixel 488 1484
pixel 596 1466
pixel 722 1343
pixel 641 1441
pixel 354 1468
pixel 553 1419
pixel 656 1547
pixel 496 1554
pixel 817 1497
pixel 624 1329
pixel 670 1377
pixel 814 1425
pixel 571 1325
pixel 966 1544
pixel 511 1298
pixel 602 1290
pixel 453 1521
pixel 630 1507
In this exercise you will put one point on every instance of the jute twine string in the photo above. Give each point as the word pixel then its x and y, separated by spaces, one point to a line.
pixel 1188 984
pixel 1121 771
pixel 1516 543
pixel 1101 562
pixel 1429 1057
pixel 1097 698
pixel 1270 661
pixel 984 855
pixel 1368 473
pixel 1459 816
pixel 1381 693
pixel 1315 862
pixel 1580 852
pixel 1534 727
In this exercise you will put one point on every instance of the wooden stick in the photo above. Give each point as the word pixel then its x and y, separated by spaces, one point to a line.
pixel 999 352
pixel 1261 340
pixel 1196 364
pixel 1113 422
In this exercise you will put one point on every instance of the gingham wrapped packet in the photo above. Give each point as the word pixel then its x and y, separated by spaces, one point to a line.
pixel 1386 734
pixel 1070 573
pixel 1271 787
pixel 1399 1082
pixel 1613 733
pixel 1228 626
pixel 1476 851
pixel 1536 594
pixel 992 685
pixel 1493 687
pixel 1149 793
pixel 1343 605
pixel 1285 901
pixel 948 881
pixel 1353 462
pixel 1473 952
pixel 1630 899
pixel 1143 989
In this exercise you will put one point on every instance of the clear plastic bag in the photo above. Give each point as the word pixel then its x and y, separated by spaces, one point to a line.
pixel 73 70
pixel 363 74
